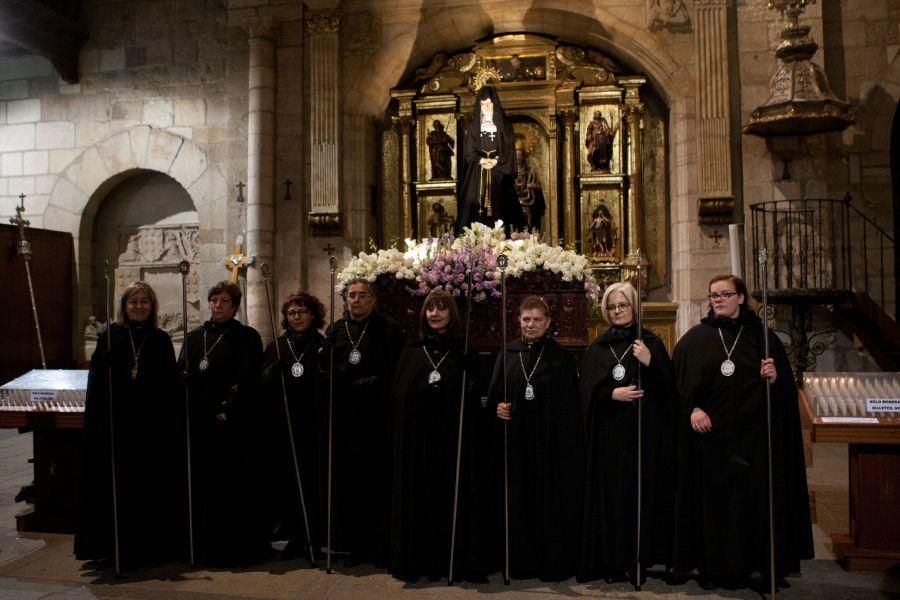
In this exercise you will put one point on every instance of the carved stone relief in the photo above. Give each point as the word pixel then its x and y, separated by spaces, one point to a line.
pixel 670 15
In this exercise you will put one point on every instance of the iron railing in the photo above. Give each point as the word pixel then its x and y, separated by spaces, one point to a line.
pixel 823 247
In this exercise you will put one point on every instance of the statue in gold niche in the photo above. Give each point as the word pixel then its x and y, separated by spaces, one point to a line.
pixel 599 143
pixel 440 149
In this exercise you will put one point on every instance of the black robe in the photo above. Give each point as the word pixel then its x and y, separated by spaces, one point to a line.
pixel 611 492
pixel 504 200
pixel 145 412
pixel 545 460
pixel 286 516
pixel 426 427
pixel 721 525
pixel 227 417
pixel 361 417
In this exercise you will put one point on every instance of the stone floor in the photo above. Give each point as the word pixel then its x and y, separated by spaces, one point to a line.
pixel 42 566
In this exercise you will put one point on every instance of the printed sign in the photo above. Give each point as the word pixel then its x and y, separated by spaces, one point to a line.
pixel 43 395
pixel 882 405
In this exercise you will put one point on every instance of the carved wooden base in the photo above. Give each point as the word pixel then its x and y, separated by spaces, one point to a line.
pixel 854 558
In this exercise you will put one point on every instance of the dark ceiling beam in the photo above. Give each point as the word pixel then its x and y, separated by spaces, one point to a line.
pixel 29 27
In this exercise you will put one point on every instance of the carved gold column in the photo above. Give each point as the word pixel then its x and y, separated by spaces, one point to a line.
pixel 322 27
pixel 716 203
pixel 260 162
pixel 569 117
pixel 633 114
pixel 405 127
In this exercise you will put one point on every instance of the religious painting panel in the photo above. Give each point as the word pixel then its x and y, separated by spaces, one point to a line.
pixel 602 223
pixel 533 171
pixel 602 139
pixel 437 211
pixel 437 147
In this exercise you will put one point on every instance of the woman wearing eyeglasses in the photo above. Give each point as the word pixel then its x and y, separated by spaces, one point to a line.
pixel 609 399
pixel 721 521
pixel 298 346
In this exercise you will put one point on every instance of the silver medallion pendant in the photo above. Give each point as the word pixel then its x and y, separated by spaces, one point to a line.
pixel 204 364
pixel 297 369
pixel 355 357
pixel 134 371
pixel 529 392
pixel 727 368
pixel 434 376
pixel 618 372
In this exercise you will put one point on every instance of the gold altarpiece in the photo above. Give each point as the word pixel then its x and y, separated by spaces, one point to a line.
pixel 561 99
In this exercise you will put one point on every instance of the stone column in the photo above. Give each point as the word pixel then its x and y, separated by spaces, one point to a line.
pixel 716 202
pixel 569 117
pixel 322 27
pixel 260 165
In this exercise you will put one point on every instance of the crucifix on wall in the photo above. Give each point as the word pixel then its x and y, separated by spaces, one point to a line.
pixel 237 260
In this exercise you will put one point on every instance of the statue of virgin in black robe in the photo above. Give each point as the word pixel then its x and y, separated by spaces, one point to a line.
pixel 303 404
pixel 361 419
pixel 545 460
pixel 145 411
pixel 228 436
pixel 722 525
pixel 608 547
pixel 426 428
pixel 494 139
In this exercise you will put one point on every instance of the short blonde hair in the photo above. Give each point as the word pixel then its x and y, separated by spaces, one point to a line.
pixel 626 289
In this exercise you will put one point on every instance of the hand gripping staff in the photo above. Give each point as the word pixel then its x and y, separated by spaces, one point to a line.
pixel 639 466
pixel 462 408
pixel 185 268
pixel 112 435
pixel 332 265
pixel 764 267
pixel 502 263
pixel 264 269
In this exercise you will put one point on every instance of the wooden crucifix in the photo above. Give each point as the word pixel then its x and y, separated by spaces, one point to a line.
pixel 237 260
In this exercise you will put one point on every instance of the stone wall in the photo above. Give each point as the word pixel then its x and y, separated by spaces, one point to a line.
pixel 166 86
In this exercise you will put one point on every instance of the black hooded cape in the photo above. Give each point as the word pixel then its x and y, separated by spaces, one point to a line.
pixel 611 491
pixel 286 517
pixel 361 419
pixel 721 525
pixel 426 428
pixel 228 435
pixel 504 201
pixel 545 460
pixel 145 412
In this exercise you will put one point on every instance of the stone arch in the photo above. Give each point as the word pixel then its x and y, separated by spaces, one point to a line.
pixel 574 22
pixel 83 185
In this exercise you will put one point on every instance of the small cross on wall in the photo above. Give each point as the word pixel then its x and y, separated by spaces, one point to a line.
pixel 329 249
pixel 716 236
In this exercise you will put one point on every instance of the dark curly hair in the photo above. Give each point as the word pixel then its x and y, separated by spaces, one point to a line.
pixel 307 301
pixel 227 287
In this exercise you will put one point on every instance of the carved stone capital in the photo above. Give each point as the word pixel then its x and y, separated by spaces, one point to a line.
pixel 261 27
pixel 324 21
pixel 633 112
pixel 325 224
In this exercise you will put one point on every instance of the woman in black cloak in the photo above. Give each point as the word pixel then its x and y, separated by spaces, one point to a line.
pixel 721 510
pixel 545 449
pixel 609 397
pixel 302 316
pixel 427 391
pixel 141 361
pixel 222 373
pixel 490 167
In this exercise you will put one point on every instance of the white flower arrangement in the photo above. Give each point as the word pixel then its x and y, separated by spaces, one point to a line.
pixel 441 262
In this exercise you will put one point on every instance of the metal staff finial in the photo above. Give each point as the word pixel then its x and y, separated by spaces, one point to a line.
pixel 23 249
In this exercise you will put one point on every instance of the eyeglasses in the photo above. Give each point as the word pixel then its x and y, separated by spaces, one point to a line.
pixel 620 307
pixel 359 295
pixel 296 314
pixel 726 295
